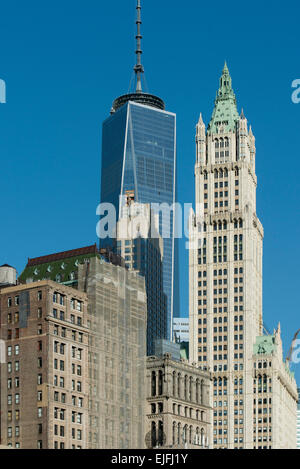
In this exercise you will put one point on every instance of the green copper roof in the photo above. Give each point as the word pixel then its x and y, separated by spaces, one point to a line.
pixel 264 345
pixel 63 270
pixel 225 111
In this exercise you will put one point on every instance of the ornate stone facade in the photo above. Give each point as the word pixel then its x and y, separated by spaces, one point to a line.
pixel 225 266
pixel 178 412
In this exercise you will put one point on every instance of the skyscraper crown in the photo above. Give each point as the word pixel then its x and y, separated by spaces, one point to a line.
pixel 225 114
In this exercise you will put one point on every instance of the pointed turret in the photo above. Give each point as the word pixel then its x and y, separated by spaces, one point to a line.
pixel 200 140
pixel 200 127
pixel 200 121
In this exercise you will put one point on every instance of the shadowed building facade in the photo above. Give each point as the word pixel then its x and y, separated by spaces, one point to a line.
pixel 141 246
pixel 74 374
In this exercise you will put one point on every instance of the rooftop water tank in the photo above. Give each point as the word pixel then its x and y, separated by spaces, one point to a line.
pixel 8 276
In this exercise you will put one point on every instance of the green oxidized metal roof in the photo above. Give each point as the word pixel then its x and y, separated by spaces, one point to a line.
pixel 60 267
pixel 264 345
pixel 225 111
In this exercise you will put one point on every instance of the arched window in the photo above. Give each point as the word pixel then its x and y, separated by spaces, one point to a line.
pixel 178 385
pixel 160 433
pixel 221 143
pixel 153 383
pixel 190 388
pixel 197 390
pixel 216 174
pixel 179 434
pixel 153 435
pixel 197 437
pixel 174 383
pixel 205 175
pixel 216 143
pixel 185 387
pixel 226 142
pixel 174 433
pixel 160 382
pixel 202 391
pixel 202 437
pixel 184 435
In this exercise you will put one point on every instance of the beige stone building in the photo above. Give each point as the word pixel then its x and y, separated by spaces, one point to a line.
pixel 274 396
pixel 225 266
pixel 44 374
pixel 178 404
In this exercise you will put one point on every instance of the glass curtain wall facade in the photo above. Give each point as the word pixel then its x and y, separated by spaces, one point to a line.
pixel 139 153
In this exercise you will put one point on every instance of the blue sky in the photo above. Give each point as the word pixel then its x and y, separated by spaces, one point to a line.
pixel 65 61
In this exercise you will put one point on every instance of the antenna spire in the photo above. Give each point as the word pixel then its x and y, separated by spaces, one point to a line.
pixel 139 69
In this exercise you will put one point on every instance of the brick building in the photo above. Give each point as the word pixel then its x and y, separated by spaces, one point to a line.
pixel 44 380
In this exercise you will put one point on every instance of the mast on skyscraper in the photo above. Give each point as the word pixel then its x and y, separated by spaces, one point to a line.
pixel 138 68
pixel 138 96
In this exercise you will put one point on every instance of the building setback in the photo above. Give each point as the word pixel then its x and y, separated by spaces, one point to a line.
pixel 44 380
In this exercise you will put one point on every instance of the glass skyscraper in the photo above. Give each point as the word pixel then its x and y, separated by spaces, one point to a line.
pixel 139 154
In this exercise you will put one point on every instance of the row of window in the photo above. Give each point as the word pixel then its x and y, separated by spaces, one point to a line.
pixel 62 317
pixel 76 336
pixel 76 369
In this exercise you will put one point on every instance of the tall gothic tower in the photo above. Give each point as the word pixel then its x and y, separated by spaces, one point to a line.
pixel 225 266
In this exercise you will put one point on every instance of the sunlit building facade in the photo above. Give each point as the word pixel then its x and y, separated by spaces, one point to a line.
pixel 225 268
